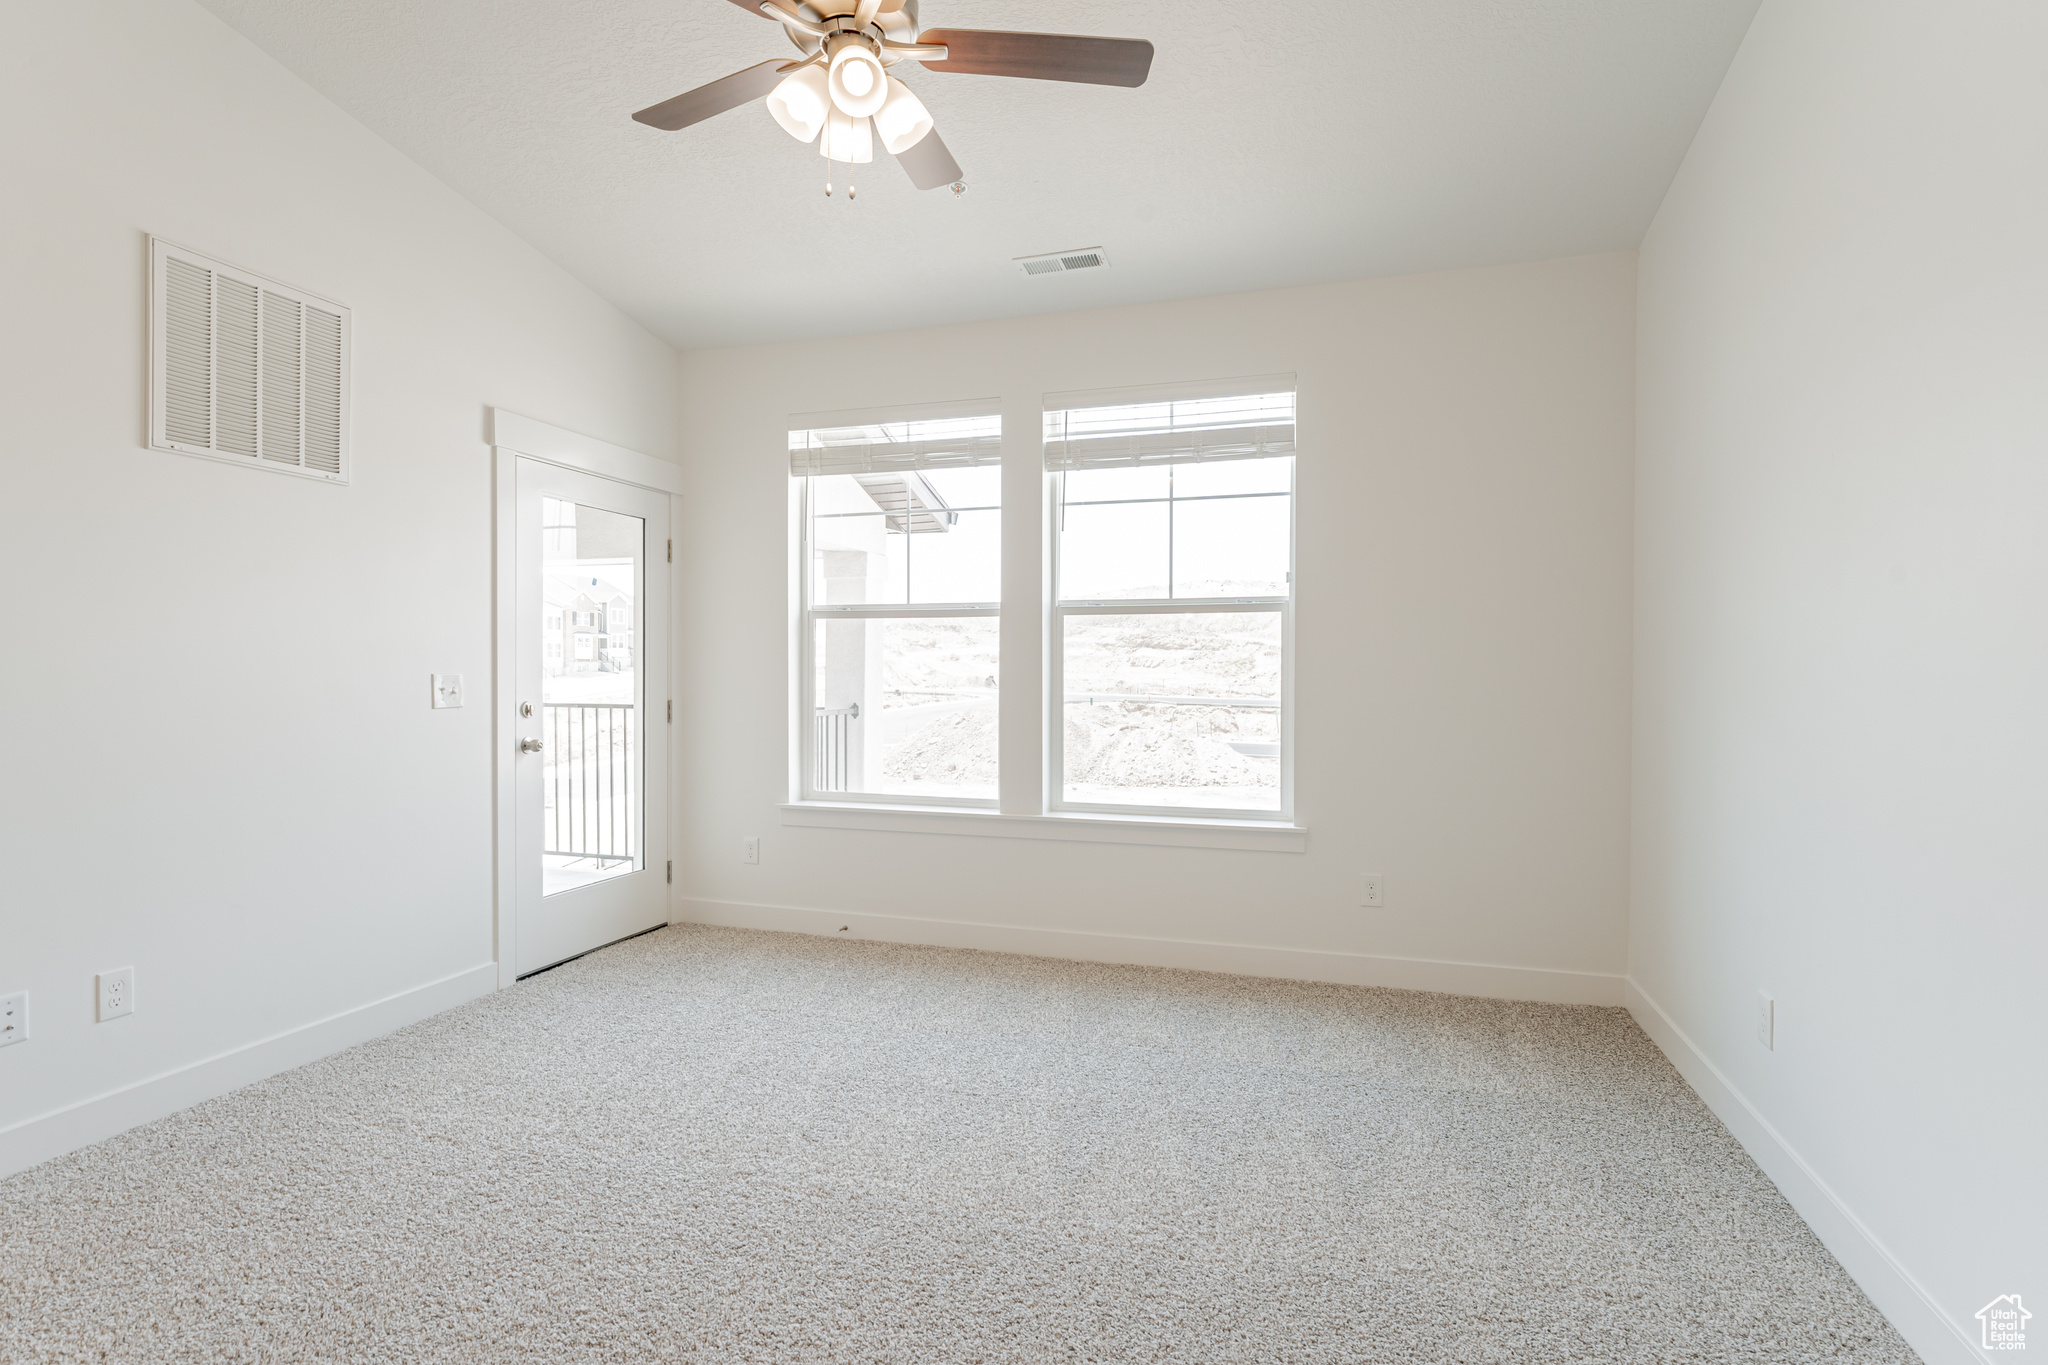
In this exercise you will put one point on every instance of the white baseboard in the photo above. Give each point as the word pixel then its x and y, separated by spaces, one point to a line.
pixel 1900 1297
pixel 78 1125
pixel 1241 959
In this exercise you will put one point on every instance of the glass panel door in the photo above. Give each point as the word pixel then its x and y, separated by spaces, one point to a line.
pixel 590 767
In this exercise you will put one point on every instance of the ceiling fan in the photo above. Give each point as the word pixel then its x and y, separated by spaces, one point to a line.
pixel 840 94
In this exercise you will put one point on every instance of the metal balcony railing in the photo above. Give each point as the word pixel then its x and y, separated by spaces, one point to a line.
pixel 832 747
pixel 591 800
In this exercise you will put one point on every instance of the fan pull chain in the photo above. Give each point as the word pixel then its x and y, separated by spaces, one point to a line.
pixel 849 180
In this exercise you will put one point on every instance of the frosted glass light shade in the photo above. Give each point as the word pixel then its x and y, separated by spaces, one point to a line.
pixel 903 120
pixel 800 103
pixel 857 82
pixel 847 139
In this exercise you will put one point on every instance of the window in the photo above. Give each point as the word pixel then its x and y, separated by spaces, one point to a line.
pixel 1173 580
pixel 901 565
pixel 585 651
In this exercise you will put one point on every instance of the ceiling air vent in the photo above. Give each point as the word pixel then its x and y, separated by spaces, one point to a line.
pixel 1060 262
pixel 245 369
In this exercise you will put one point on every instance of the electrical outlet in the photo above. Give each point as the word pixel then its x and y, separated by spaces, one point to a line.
pixel 447 690
pixel 14 1018
pixel 750 849
pixel 117 993
pixel 1767 1021
pixel 1370 891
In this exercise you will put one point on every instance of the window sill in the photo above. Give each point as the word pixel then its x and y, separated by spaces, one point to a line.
pixel 1170 831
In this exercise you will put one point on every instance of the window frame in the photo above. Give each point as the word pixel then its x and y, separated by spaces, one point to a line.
pixel 1057 609
pixel 810 613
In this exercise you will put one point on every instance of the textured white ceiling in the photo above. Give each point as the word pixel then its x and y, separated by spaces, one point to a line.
pixel 1285 144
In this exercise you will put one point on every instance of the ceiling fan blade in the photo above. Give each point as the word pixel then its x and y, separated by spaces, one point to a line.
pixel 728 92
pixel 753 7
pixel 1042 56
pixel 929 163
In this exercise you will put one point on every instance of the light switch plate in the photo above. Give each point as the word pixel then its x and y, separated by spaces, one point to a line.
pixel 117 993
pixel 14 1018
pixel 1370 890
pixel 447 690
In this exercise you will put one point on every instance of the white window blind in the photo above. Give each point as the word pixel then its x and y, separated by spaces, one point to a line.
pixel 897 447
pixel 246 369
pixel 1192 424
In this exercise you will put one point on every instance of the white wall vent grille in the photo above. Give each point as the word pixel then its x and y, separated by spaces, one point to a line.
pixel 1060 262
pixel 244 368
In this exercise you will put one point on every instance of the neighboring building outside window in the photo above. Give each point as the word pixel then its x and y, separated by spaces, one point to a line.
pixel 588 574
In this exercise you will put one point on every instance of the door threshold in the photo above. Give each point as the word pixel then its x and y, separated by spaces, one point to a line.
pixel 637 933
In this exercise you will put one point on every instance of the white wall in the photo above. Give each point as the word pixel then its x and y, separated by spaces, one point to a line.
pixel 1462 659
pixel 1841 760
pixel 220 763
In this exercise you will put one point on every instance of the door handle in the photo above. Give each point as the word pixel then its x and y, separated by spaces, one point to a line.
pixel 529 746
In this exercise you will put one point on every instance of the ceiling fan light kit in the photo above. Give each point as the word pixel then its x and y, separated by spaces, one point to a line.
pixel 902 120
pixel 855 76
pixel 841 95
pixel 801 103
pixel 847 139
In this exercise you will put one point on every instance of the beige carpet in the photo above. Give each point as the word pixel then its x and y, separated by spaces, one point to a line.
pixel 709 1145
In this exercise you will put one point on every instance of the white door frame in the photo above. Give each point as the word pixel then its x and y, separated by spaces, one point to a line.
pixel 513 436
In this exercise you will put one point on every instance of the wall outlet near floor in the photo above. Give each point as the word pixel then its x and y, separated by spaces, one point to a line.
pixel 447 689
pixel 14 1018
pixel 1370 890
pixel 750 849
pixel 1767 1021
pixel 117 993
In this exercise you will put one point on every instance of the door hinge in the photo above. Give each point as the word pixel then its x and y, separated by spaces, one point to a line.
pixel 671 711
pixel 671 552
pixel 671 871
